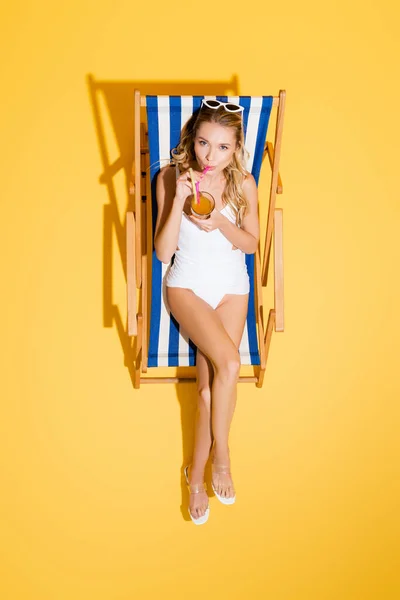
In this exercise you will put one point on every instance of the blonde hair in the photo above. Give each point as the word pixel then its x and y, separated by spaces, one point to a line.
pixel 235 172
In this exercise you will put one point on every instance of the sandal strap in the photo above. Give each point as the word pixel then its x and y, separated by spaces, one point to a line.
pixel 221 469
pixel 197 488
pixel 194 488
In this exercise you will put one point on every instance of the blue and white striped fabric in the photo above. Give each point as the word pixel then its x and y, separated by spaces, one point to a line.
pixel 166 116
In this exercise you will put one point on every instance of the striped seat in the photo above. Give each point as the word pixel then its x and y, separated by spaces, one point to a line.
pixel 166 115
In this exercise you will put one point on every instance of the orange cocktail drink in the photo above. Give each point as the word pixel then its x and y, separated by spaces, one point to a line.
pixel 203 206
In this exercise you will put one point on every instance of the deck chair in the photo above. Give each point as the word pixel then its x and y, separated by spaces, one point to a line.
pixel 158 122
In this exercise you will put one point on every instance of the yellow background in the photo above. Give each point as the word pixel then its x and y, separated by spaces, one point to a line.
pixel 92 502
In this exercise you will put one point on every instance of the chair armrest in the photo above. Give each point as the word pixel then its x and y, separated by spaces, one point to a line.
pixel 131 273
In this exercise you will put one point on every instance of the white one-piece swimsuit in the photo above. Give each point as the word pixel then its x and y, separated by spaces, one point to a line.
pixel 206 263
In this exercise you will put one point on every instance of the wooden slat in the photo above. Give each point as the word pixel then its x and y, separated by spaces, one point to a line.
pixel 259 308
pixel 147 250
pixel 267 342
pixel 269 150
pixel 278 269
pixel 260 319
pixel 275 101
pixel 274 182
pixel 138 197
pixel 144 312
pixel 130 273
pixel 187 379
pixel 143 165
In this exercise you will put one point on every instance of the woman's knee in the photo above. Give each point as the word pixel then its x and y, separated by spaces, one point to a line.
pixel 229 366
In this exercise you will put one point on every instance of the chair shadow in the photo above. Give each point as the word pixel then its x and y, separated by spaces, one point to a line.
pixel 112 104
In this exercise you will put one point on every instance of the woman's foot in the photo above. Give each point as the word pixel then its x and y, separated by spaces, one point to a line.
pixel 222 483
pixel 198 502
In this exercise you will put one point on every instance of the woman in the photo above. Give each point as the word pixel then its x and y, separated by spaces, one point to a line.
pixel 208 284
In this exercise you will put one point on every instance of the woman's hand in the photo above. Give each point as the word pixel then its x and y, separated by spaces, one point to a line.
pixel 184 185
pixel 214 221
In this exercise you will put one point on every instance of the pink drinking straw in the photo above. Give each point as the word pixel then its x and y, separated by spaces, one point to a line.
pixel 198 183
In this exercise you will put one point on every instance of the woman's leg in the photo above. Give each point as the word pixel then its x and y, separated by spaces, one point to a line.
pixel 232 311
pixel 203 430
pixel 203 434
pixel 205 327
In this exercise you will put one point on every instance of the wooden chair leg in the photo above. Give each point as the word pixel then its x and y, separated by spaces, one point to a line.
pixel 138 359
pixel 267 342
pixel 260 378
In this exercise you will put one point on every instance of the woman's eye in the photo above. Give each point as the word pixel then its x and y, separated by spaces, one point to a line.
pixel 224 147
pixel 202 142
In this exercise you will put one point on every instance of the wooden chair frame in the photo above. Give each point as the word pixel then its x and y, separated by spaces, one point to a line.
pixel 137 244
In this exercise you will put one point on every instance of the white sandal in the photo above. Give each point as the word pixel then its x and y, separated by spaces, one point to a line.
pixel 196 488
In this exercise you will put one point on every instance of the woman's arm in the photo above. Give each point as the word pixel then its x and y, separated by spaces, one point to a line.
pixel 246 238
pixel 171 196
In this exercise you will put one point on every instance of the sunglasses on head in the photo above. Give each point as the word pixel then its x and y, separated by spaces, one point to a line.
pixel 229 106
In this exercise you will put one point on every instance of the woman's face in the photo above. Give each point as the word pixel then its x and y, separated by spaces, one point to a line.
pixel 214 146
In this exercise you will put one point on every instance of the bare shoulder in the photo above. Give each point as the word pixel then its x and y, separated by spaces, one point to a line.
pixel 167 173
pixel 250 221
pixel 249 183
pixel 250 190
pixel 166 184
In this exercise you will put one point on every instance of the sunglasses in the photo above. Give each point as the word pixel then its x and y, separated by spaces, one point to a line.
pixel 229 106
